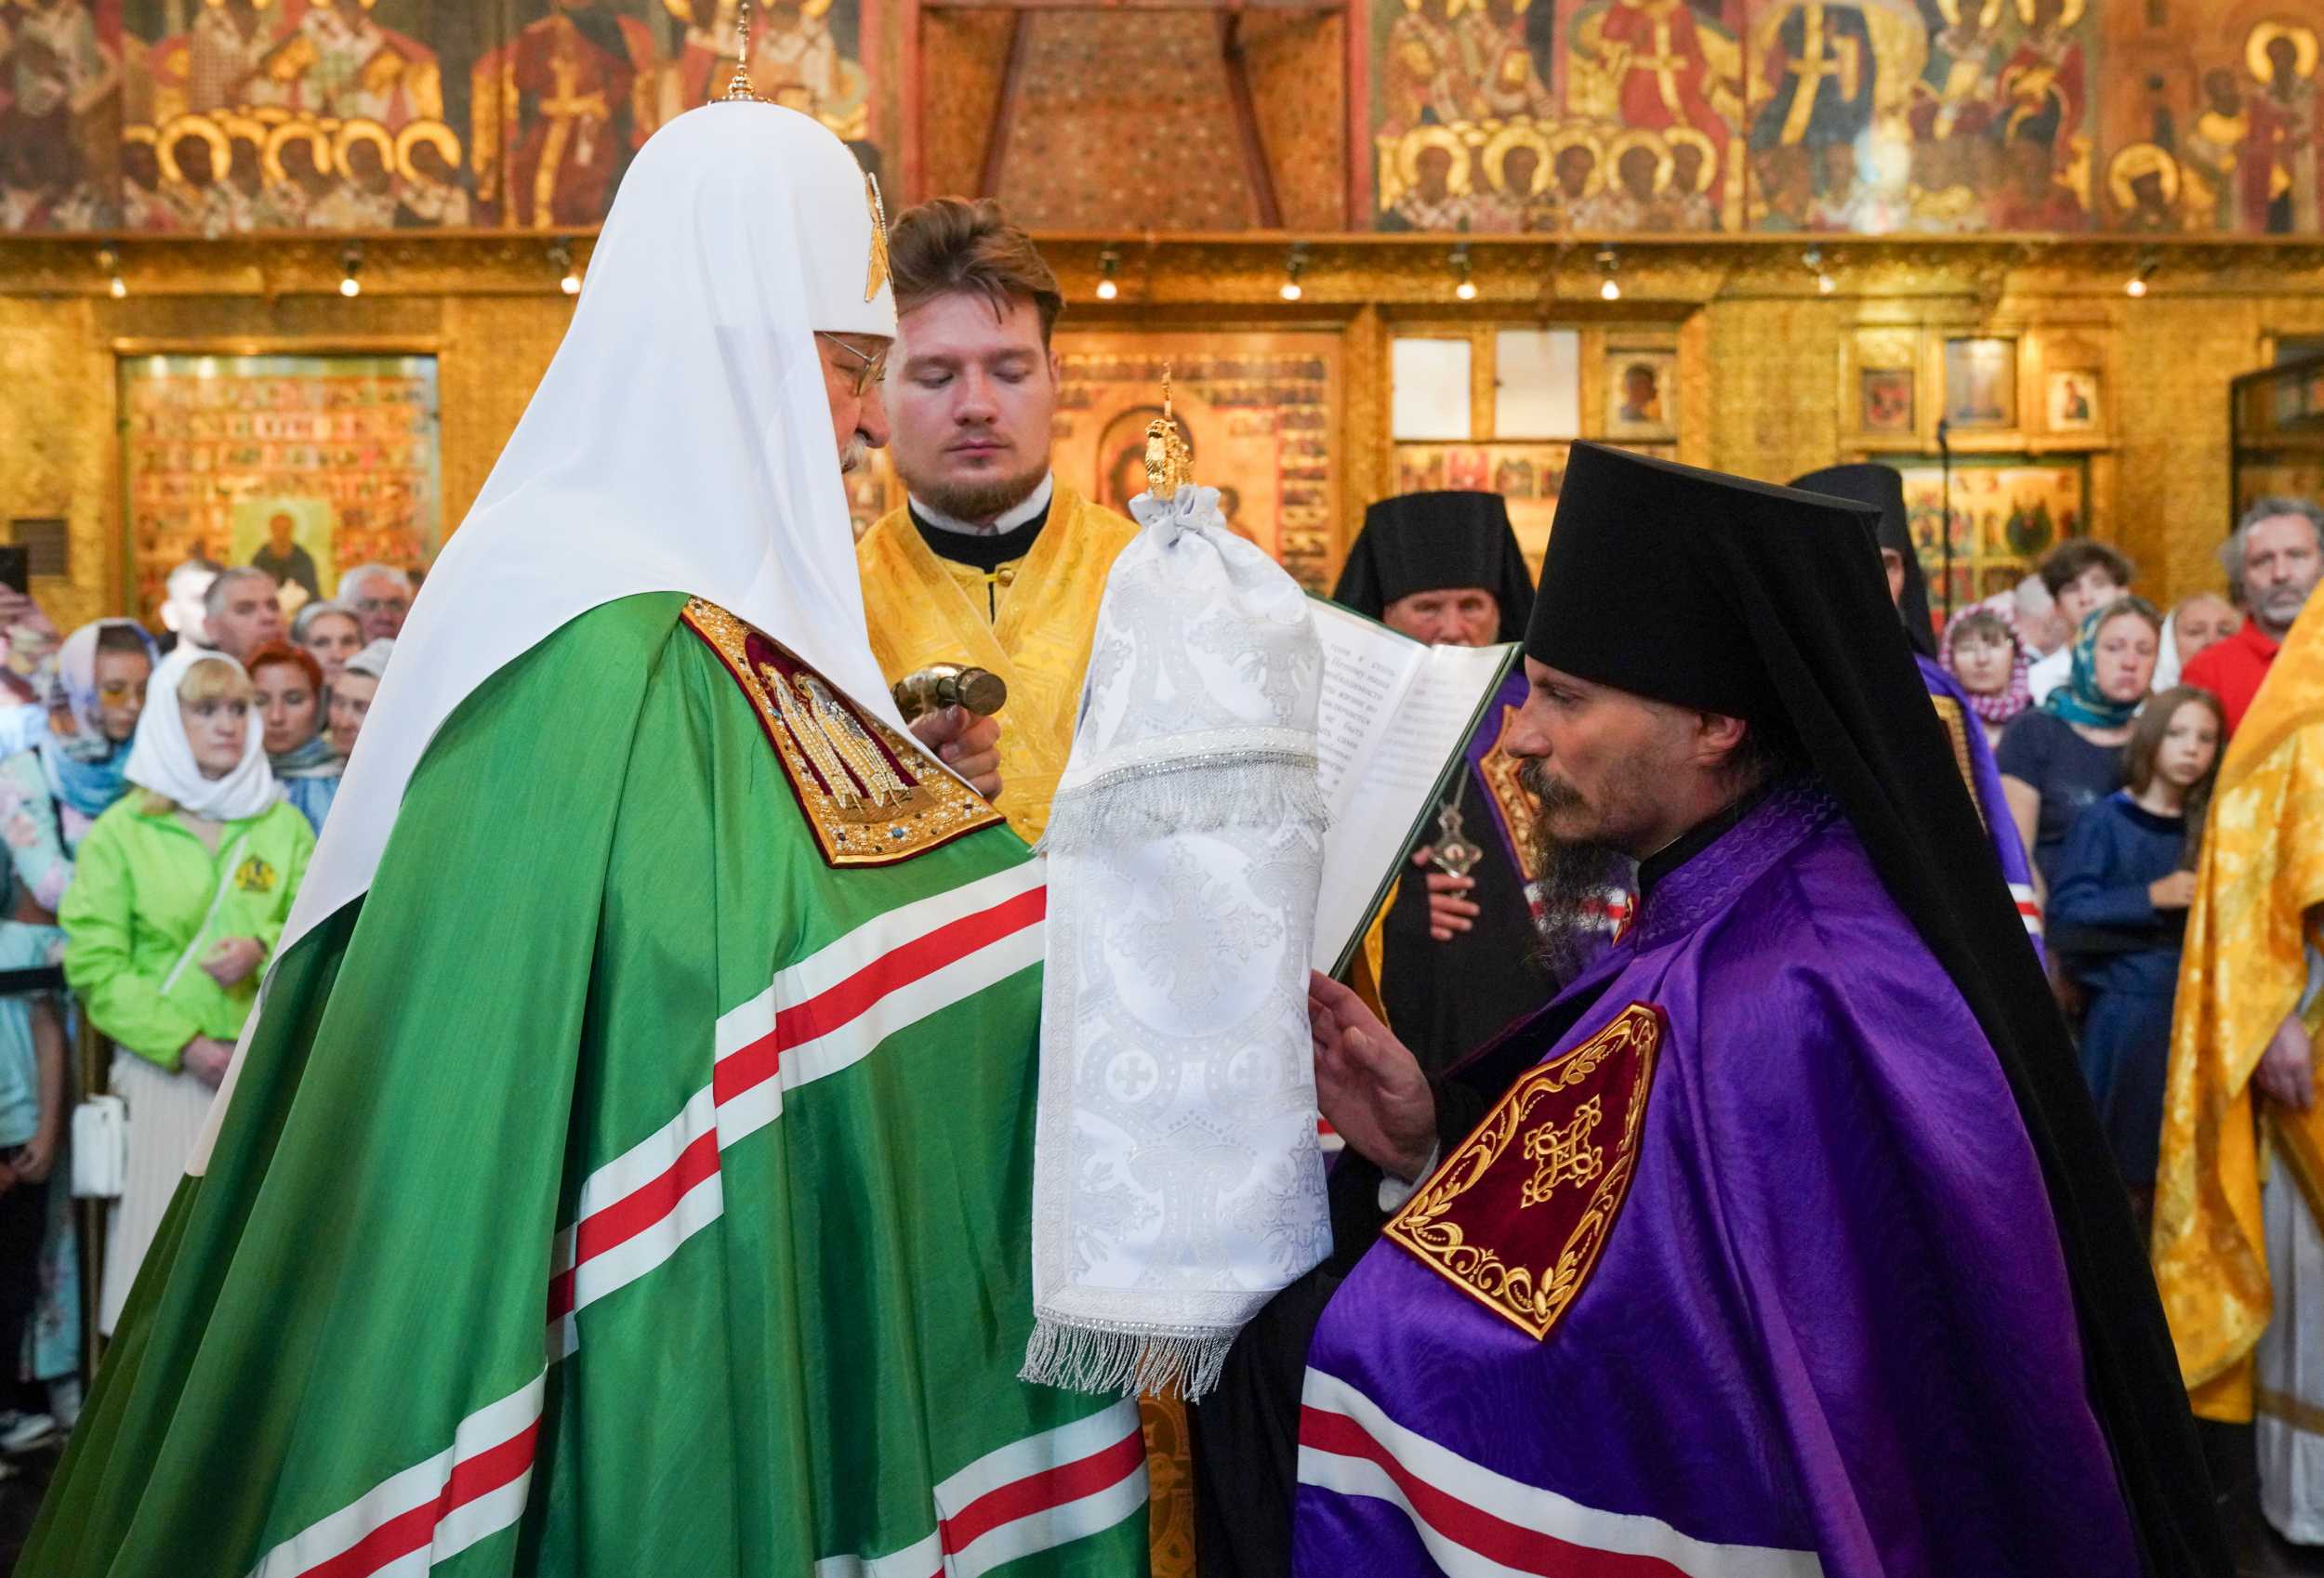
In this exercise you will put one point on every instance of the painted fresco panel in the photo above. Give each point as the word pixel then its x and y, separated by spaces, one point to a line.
pixel 1848 116
pixel 217 116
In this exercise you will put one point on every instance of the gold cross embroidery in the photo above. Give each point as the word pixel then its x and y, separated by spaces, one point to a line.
pixel 1565 1155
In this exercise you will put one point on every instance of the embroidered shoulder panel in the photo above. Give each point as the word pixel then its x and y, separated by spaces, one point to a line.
pixel 871 794
pixel 1516 1217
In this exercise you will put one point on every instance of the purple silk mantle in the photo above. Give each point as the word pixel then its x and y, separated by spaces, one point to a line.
pixel 1992 805
pixel 1828 1330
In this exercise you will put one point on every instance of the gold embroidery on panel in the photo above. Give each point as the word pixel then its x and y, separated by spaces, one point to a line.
pixel 1565 1155
pixel 1956 724
pixel 863 810
pixel 1534 1298
pixel 1519 809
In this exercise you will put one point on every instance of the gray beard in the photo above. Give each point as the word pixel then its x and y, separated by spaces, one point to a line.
pixel 979 501
pixel 1571 890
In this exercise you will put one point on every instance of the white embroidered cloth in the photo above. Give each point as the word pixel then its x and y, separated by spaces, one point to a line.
pixel 1177 1182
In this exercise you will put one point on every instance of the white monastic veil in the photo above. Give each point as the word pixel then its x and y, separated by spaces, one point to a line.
pixel 680 442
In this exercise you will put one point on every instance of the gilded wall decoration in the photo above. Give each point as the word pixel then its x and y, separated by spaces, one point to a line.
pixel 217 116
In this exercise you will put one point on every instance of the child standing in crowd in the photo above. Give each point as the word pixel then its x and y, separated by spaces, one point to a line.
pixel 2119 914
pixel 1983 652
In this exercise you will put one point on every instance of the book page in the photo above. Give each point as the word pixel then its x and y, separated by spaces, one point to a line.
pixel 1392 763
pixel 1367 667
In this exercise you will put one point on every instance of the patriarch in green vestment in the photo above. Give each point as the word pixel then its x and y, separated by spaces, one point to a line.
pixel 627 1167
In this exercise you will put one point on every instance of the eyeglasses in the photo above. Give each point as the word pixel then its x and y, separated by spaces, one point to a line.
pixel 380 605
pixel 118 692
pixel 872 366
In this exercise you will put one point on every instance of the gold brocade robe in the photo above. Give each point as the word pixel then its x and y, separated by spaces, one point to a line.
pixel 2260 879
pixel 1031 623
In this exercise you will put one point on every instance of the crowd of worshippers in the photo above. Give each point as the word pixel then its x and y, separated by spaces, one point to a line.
pixel 160 795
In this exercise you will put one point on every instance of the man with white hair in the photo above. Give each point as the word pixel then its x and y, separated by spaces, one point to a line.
pixel 380 596
pixel 241 612
pixel 628 1166
pixel 2276 556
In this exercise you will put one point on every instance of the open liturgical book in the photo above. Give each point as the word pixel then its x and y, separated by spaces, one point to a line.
pixel 1392 728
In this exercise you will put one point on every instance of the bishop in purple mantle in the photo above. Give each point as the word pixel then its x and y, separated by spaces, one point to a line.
pixel 1784 1241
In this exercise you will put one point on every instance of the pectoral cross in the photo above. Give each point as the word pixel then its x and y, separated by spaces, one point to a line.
pixel 1455 854
pixel 1564 1155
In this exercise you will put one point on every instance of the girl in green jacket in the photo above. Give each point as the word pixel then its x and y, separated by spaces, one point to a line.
pixel 180 891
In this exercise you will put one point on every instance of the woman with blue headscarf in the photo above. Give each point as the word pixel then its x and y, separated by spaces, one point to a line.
pixel 49 794
pixel 2060 756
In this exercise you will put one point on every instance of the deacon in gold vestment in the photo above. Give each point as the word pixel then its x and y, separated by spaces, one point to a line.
pixel 2240 1191
pixel 994 563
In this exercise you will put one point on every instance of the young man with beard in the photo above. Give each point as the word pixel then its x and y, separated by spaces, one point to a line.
pixel 994 561
pixel 1784 1241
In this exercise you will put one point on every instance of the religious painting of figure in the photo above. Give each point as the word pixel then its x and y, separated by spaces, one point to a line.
pixel 2144 183
pixel 1653 65
pixel 560 110
pixel 2280 174
pixel 1426 181
pixel 59 115
pixel 427 164
pixel 1818 68
pixel 2213 197
pixel 803 54
pixel 1885 401
pixel 1641 394
pixel 1641 172
pixel 1460 63
pixel 1981 383
pixel 1519 195
pixel 1257 408
pixel 2042 88
pixel 2073 400
pixel 290 538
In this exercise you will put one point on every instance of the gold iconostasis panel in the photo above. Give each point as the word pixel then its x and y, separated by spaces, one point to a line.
pixel 327 461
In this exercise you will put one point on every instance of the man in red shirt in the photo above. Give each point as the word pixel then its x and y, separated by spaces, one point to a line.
pixel 2276 556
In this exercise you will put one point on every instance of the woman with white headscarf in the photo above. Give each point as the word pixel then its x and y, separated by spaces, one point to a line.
pixel 628 1168
pixel 180 892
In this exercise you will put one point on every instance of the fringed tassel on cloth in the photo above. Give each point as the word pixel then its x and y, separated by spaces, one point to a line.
pixel 1133 1363
pixel 1197 794
pixel 1176 1181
